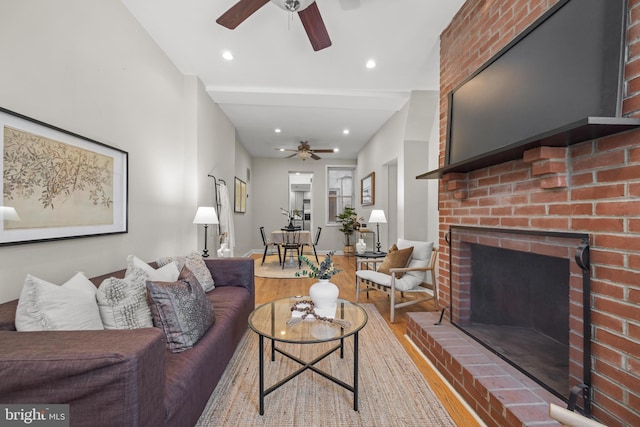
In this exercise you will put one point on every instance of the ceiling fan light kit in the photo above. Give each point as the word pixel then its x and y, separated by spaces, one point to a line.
pixel 307 11
pixel 293 5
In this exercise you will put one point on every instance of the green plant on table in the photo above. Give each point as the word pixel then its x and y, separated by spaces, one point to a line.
pixel 325 270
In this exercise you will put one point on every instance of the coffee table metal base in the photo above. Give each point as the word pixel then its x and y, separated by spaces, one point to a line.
pixel 309 365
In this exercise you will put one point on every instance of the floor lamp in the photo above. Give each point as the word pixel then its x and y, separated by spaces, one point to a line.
pixel 377 216
pixel 206 215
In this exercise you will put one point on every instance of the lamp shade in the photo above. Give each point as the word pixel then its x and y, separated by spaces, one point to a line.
pixel 377 216
pixel 7 213
pixel 206 215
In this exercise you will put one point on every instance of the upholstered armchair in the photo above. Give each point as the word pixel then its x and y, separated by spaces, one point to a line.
pixel 408 269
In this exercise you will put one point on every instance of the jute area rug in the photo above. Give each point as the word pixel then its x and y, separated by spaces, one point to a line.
pixel 273 269
pixel 392 392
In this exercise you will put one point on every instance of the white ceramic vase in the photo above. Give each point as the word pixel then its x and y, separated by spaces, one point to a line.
pixel 224 251
pixel 361 246
pixel 324 295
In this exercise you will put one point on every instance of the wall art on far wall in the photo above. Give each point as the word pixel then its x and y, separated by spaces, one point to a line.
pixel 57 184
pixel 368 190
pixel 240 202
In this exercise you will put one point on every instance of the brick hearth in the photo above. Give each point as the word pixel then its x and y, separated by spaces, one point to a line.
pixel 500 394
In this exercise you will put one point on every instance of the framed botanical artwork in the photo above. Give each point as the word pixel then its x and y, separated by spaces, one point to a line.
pixel 240 199
pixel 368 190
pixel 57 184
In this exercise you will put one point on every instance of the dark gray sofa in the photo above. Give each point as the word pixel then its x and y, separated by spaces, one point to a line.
pixel 127 377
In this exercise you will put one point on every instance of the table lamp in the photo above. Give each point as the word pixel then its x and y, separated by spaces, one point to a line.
pixel 377 216
pixel 206 215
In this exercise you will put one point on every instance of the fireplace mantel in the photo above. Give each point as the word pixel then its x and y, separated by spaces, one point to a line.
pixel 573 133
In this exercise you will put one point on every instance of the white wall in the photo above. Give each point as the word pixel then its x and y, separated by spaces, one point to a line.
pixel 244 221
pixel 89 68
pixel 270 186
pixel 397 153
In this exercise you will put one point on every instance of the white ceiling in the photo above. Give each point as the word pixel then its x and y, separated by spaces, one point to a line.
pixel 276 80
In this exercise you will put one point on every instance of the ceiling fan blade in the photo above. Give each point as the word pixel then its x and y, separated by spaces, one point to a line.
pixel 314 157
pixel 293 155
pixel 323 151
pixel 239 12
pixel 314 26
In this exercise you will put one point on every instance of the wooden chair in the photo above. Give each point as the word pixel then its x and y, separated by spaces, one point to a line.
pixel 314 243
pixel 266 246
pixel 413 281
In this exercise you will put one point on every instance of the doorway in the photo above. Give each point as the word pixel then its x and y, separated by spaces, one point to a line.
pixel 300 199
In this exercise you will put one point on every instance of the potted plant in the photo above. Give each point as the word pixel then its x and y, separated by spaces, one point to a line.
pixel 349 224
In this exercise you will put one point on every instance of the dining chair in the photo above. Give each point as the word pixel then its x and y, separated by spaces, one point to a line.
pixel 316 239
pixel 266 246
pixel 291 242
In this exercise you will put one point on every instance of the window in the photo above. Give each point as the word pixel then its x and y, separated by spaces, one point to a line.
pixel 340 191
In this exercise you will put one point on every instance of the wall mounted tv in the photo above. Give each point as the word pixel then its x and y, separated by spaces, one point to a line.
pixel 561 77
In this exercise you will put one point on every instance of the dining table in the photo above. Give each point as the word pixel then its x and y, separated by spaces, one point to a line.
pixel 280 237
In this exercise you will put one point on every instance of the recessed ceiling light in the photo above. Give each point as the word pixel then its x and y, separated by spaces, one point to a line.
pixel 335 150
pixel 282 149
pixel 227 55
pixel 371 64
pixel 277 130
pixel 345 131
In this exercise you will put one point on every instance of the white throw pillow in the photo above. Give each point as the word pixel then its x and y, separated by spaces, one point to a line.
pixel 44 306
pixel 123 302
pixel 194 262
pixel 166 273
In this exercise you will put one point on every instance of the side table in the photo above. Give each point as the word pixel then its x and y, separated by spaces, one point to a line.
pixel 369 257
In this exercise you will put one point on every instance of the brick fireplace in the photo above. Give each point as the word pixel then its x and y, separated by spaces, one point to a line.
pixel 591 188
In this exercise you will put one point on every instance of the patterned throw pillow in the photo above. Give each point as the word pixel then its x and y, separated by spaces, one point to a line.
pixel 395 259
pixel 194 262
pixel 44 306
pixel 181 309
pixel 123 302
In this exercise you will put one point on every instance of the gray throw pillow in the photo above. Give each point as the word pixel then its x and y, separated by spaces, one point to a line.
pixel 181 309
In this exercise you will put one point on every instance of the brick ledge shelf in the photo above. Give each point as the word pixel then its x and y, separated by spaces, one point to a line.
pixel 499 393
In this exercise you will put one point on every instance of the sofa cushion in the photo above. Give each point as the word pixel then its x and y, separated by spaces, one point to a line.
pixel 194 262
pixel 181 309
pixel 123 302
pixel 45 306
pixel 420 257
pixel 166 273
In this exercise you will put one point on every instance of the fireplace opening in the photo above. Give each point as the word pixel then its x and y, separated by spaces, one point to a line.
pixel 521 294
pixel 520 308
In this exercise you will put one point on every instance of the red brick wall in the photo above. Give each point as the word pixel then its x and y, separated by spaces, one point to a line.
pixel 592 187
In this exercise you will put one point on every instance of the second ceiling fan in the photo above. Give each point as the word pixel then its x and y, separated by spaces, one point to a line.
pixel 307 11
pixel 304 151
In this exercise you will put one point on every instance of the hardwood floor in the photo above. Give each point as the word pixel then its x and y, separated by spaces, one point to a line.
pixel 270 289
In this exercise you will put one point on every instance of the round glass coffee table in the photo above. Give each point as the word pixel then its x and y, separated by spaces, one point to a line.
pixel 273 321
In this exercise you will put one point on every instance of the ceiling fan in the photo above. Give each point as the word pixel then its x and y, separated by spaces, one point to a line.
pixel 307 11
pixel 304 151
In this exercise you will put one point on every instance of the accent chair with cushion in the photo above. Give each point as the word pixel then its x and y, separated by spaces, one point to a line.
pixel 405 269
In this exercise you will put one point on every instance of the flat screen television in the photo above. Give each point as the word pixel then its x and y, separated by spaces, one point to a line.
pixel 565 68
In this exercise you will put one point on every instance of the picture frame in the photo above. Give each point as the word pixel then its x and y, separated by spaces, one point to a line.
pixel 58 184
pixel 368 190
pixel 240 196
